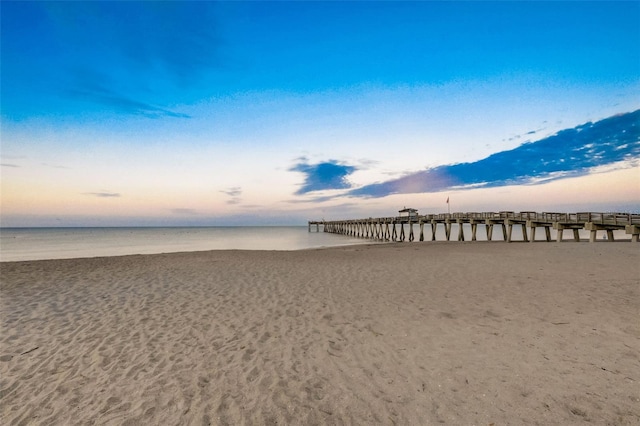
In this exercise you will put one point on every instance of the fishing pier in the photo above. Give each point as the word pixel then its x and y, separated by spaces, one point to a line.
pixel 401 228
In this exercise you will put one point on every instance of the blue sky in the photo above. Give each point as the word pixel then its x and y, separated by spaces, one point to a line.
pixel 217 113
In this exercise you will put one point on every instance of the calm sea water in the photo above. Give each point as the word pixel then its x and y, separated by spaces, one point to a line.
pixel 64 243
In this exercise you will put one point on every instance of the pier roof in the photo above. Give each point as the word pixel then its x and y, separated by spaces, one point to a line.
pixel 408 210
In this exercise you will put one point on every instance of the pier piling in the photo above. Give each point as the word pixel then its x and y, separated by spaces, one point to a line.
pixel 386 228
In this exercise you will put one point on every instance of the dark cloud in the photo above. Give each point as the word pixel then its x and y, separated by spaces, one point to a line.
pixel 571 152
pixel 103 194
pixel 327 175
pixel 8 165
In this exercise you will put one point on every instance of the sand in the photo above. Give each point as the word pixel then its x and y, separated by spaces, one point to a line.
pixel 395 334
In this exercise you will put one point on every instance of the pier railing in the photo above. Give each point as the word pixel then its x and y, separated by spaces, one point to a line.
pixel 393 228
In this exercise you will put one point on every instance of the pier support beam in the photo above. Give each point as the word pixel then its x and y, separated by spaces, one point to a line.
pixel 317 224
pixel 474 229
pixel 634 230
pixel 489 224
pixel 460 230
pixel 595 227
pixel 533 225
pixel 560 227
pixel 447 229
pixel 510 222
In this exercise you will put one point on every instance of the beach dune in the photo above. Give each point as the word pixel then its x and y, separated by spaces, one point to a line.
pixel 412 334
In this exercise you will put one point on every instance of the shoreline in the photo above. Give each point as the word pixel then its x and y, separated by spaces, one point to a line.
pixel 42 244
pixel 405 333
pixel 364 242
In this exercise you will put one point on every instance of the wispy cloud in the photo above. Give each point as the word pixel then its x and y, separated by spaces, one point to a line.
pixel 103 194
pixel 326 175
pixel 55 166
pixel 180 40
pixel 141 52
pixel 525 135
pixel 320 199
pixel 184 211
pixel 11 157
pixel 123 104
pixel 233 192
pixel 571 152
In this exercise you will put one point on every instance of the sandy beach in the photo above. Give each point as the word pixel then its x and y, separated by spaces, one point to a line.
pixel 395 334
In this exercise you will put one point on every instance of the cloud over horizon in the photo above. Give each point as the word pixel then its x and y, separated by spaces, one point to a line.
pixel 234 193
pixel 104 194
pixel 326 175
pixel 571 152
pixel 183 211
pixel 226 109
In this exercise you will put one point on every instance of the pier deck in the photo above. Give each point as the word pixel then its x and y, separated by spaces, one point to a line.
pixel 393 228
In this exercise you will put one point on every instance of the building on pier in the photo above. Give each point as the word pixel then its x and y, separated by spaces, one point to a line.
pixel 408 213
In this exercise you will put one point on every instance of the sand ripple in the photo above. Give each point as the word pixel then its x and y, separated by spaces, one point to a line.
pixel 422 333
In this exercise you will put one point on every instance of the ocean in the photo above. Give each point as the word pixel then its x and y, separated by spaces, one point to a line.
pixel 18 244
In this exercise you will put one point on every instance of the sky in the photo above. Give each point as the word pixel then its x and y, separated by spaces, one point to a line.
pixel 276 113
